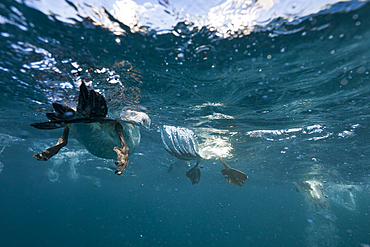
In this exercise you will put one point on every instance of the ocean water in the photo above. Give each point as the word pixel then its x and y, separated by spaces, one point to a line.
pixel 280 90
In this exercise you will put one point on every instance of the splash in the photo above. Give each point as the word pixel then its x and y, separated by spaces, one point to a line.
pixel 322 229
pixel 321 194
pixel 344 195
pixel 314 192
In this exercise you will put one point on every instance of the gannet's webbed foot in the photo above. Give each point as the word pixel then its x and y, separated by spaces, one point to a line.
pixel 232 175
pixel 50 152
pixel 122 153
pixel 194 174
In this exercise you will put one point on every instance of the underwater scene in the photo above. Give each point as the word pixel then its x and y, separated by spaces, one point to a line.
pixel 184 123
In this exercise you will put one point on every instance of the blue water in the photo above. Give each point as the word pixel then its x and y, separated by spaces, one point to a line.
pixel 286 102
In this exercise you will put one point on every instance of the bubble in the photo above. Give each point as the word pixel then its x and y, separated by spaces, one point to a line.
pixel 361 70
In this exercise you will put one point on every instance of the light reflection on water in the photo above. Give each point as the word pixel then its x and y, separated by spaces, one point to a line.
pixel 229 18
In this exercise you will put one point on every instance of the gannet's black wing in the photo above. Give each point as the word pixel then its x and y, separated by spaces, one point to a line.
pixel 91 106
pixel 61 112
pixel 91 103
pixel 55 124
